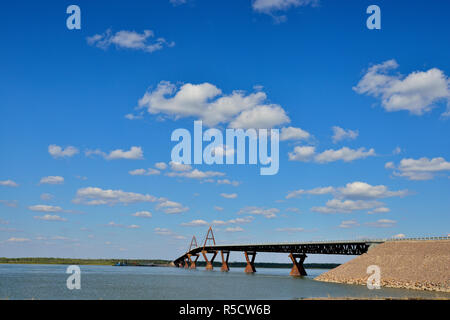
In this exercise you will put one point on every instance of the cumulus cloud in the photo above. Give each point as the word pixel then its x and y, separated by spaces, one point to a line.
pixel 206 102
pixel 52 180
pixel 195 174
pixel 308 153
pixel 234 229
pixel 45 208
pixel 13 239
pixel 346 224
pixel 132 40
pixel 98 196
pixel 362 190
pixel 142 214
pixel 135 153
pixel 266 212
pixel 227 181
pixel 291 133
pixel 118 225
pixel 382 223
pixel 315 191
pixel 347 206
pixel 290 230
pixel 171 207
pixel 161 165
pixel 417 92
pixel 49 217
pixel 419 169
pixel 275 7
pixel 379 210
pixel 229 195
pixel 195 223
pixel 8 183
pixel 144 172
pixel 168 232
pixel 59 152
pixel 399 236
pixel 340 134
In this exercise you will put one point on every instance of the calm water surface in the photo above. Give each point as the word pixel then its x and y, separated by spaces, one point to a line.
pixel 109 282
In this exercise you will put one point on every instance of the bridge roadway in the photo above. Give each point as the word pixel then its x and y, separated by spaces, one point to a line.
pixel 297 252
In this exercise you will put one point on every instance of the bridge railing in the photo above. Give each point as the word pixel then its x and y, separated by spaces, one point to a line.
pixel 332 242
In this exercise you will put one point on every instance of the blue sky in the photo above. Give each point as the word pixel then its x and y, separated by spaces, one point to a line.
pixel 364 153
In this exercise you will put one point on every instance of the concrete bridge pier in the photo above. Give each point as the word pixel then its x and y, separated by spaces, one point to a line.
pixel 297 268
pixel 193 263
pixel 250 268
pixel 186 263
pixel 225 266
pixel 209 264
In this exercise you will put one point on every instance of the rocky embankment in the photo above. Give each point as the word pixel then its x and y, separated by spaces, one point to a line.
pixel 422 265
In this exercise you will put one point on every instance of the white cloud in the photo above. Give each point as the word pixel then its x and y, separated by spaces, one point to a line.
pixel 195 174
pixel 347 206
pixel 234 229
pixel 399 236
pixel 195 223
pixel 417 92
pixel 168 232
pixel 346 224
pixel 266 212
pixel 382 223
pixel 98 196
pixel 49 217
pixel 52 180
pixel 143 172
pixel 145 41
pixel 175 166
pixel 305 153
pixel 274 7
pixel 315 191
pixel 340 134
pixel 206 102
pixel 290 230
pixel 18 240
pixel 397 150
pixel 8 183
pixel 419 169
pixel 142 214
pixel 229 195
pixel 361 190
pixel 161 165
pixel 379 210
pixel 227 181
pixel 217 208
pixel 46 196
pixel 291 133
pixel 45 208
pixel 135 153
pixel 113 224
pixel 58 152
pixel 171 207
pixel 345 154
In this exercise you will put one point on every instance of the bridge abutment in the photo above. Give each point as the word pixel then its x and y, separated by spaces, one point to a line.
pixel 297 268
pixel 209 264
pixel 193 263
pixel 225 266
pixel 250 268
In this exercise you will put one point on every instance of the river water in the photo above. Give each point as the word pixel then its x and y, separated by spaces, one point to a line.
pixel 110 282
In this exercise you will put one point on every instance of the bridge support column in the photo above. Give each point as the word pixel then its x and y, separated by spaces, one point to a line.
pixel 186 262
pixel 209 264
pixel 225 266
pixel 297 268
pixel 193 263
pixel 250 268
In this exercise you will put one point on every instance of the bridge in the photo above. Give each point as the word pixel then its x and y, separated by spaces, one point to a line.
pixel 297 251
